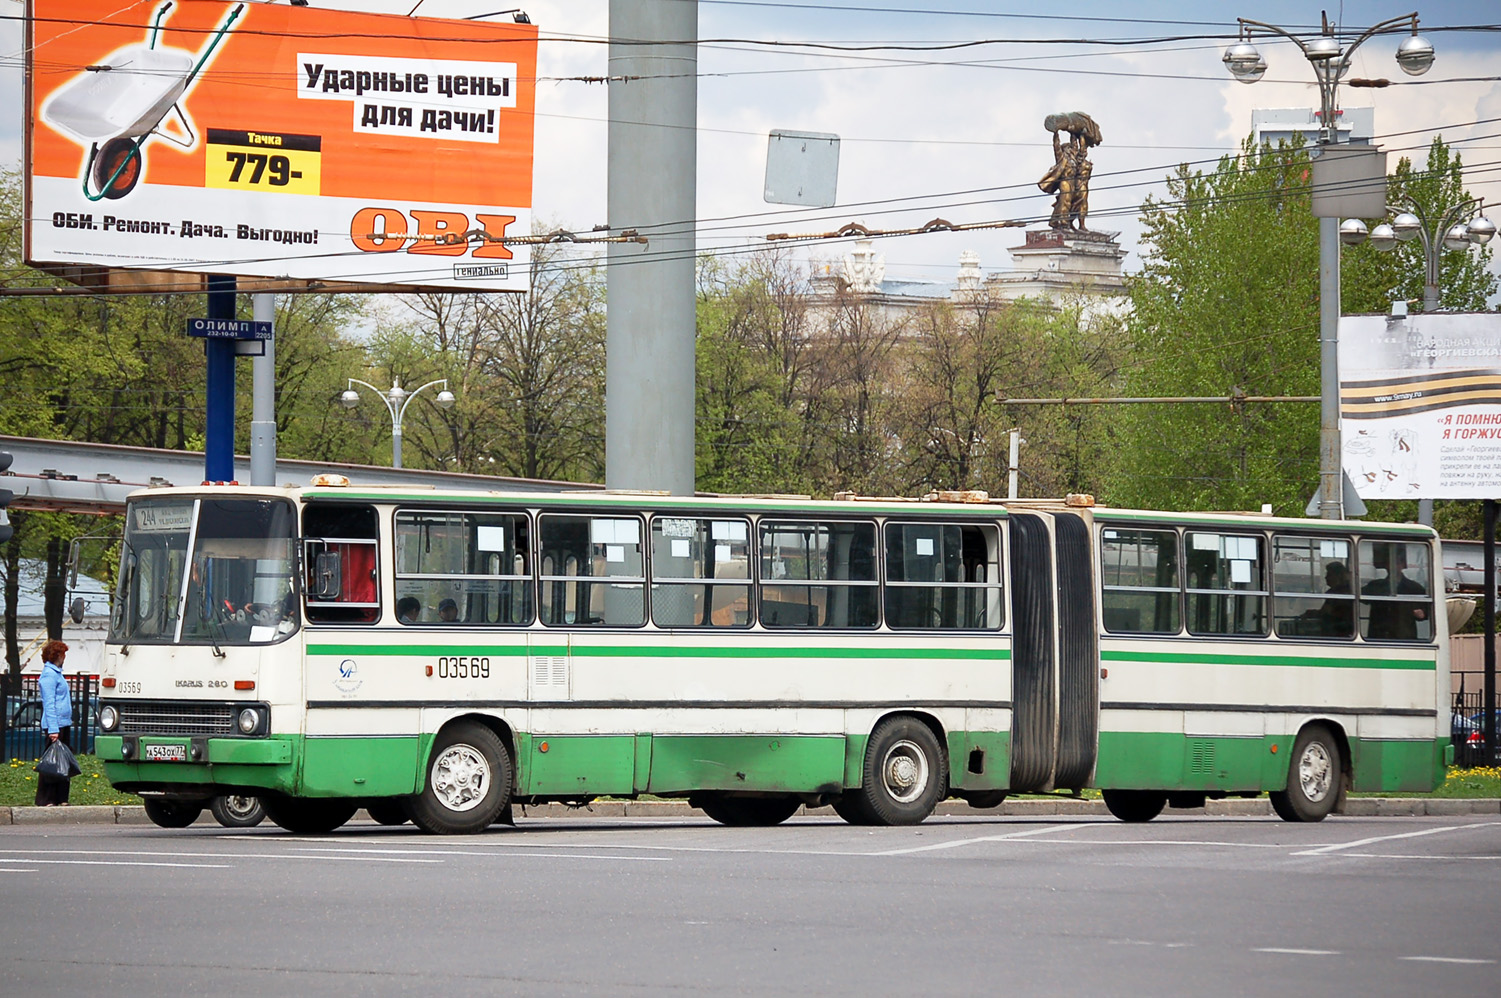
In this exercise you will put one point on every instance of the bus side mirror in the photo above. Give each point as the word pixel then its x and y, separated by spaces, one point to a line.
pixel 326 575
pixel 76 610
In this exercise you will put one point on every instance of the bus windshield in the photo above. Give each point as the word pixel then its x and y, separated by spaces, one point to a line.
pixel 207 572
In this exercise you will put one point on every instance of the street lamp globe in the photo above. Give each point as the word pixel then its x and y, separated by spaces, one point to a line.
pixel 1458 237
pixel 445 399
pixel 1244 62
pixel 1415 55
pixel 1407 226
pixel 1384 238
pixel 1352 232
pixel 349 398
pixel 1482 230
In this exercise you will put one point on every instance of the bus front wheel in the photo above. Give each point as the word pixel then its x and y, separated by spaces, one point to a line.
pixel 468 781
pixel 1134 805
pixel 904 777
pixel 1313 778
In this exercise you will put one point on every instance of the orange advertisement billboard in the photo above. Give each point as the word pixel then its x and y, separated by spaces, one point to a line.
pixel 275 141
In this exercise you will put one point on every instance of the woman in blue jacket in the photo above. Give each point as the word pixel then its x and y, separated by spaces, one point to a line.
pixel 57 718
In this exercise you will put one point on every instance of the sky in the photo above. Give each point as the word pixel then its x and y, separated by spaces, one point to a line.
pixel 959 134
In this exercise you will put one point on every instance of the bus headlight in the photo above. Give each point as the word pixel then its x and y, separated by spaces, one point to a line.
pixel 250 720
pixel 109 718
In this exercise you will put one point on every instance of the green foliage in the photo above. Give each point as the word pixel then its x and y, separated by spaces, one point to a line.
pixel 90 786
pixel 1227 303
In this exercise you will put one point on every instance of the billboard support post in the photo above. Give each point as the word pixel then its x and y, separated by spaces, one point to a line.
pixel 219 431
pixel 263 399
pixel 652 170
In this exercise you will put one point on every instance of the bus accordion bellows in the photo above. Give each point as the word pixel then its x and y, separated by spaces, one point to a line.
pixel 440 656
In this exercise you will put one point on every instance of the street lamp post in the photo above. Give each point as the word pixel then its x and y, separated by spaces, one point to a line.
pixel 1330 61
pixel 1444 231
pixel 397 399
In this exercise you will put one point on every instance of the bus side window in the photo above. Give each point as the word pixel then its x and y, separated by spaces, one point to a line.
pixel 340 563
pixel 1142 593
pixel 1396 591
pixel 1227 591
pixel 818 574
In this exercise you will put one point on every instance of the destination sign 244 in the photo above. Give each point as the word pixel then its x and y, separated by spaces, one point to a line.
pixel 229 329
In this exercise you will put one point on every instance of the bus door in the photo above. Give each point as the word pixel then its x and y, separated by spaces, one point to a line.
pixel 1054 653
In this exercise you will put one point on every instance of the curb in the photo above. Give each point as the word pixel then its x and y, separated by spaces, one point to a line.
pixel 1365 807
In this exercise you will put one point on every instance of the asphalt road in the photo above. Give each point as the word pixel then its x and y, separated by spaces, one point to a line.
pixel 589 906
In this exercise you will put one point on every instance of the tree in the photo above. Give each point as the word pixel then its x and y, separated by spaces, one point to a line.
pixel 1226 303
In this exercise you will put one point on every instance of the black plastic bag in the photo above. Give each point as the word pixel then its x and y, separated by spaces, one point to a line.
pixel 57 763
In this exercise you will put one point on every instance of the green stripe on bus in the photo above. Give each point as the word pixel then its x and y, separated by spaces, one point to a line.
pixel 663 651
pixel 1292 660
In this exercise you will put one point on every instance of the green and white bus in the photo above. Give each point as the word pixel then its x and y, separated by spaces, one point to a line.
pixel 440 656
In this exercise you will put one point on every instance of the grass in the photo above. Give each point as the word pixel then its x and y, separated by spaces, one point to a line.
pixel 18 784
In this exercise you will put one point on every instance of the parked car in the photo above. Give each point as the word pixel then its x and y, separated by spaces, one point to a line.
pixel 1468 735
pixel 24 738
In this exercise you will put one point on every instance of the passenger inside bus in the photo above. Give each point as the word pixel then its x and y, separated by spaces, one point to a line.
pixel 408 609
pixel 1337 616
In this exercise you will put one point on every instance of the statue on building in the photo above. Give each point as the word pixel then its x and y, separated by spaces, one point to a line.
pixel 1069 177
pixel 864 269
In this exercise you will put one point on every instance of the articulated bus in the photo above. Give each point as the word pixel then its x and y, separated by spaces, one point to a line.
pixel 438 656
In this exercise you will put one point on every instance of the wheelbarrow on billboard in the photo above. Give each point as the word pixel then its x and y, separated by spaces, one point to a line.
pixel 116 106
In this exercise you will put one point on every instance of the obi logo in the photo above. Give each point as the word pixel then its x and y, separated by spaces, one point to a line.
pixel 348 681
pixel 437 233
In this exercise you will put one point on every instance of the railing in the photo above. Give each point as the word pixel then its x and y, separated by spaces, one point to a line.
pixel 21 717
pixel 1467 728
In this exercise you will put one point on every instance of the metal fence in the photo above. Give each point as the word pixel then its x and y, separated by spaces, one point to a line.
pixel 21 717
pixel 1468 726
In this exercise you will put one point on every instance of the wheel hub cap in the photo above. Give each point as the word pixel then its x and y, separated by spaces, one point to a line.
pixel 460 777
pixel 1315 772
pixel 905 771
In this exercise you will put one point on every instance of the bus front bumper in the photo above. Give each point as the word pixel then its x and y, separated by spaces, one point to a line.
pixel 146 762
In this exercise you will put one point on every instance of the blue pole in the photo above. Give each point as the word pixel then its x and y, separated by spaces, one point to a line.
pixel 219 442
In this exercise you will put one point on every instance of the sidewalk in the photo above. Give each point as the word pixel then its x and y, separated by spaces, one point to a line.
pixel 1386 807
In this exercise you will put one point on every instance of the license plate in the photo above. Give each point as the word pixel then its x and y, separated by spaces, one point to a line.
pixel 166 753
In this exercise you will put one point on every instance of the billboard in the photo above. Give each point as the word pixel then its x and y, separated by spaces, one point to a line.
pixel 1420 404
pixel 275 141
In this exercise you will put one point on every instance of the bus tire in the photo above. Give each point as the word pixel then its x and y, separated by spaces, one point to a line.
pixel 469 777
pixel 309 815
pixel 171 813
pixel 745 812
pixel 904 777
pixel 1134 805
pixel 386 812
pixel 1313 777
pixel 237 811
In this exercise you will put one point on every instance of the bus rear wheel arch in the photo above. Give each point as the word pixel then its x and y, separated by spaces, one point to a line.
pixel 468 781
pixel 904 776
pixel 1315 776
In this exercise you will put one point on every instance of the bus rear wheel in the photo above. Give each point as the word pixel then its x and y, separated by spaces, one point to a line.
pixel 308 816
pixel 1134 805
pixel 171 813
pixel 746 812
pixel 468 781
pixel 1313 778
pixel 904 777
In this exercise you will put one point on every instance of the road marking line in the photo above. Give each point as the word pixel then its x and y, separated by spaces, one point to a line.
pixel 1324 850
pixel 131 862
pixel 1443 959
pixel 485 852
pixel 956 843
pixel 1295 952
pixel 205 855
pixel 1384 855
